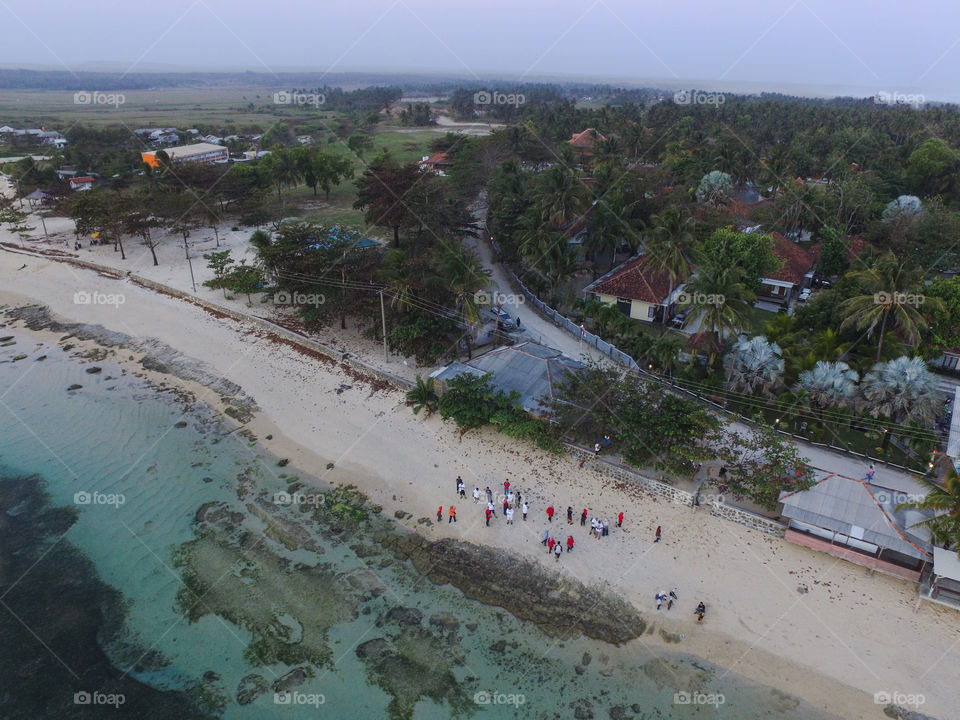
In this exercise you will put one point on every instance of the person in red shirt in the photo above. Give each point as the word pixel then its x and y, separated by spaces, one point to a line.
pixel 453 515
pixel 569 543
pixel 488 517
pixel 620 520
pixel 550 543
pixel 506 486
pixel 440 513
pixel 550 513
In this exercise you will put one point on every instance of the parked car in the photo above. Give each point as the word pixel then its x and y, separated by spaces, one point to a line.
pixel 678 320
pixel 504 320
pixel 805 294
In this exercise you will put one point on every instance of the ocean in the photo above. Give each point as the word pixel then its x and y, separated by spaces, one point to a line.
pixel 157 562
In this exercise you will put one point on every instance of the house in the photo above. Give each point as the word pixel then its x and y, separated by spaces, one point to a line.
pixel 532 370
pixel 84 182
pixel 436 163
pixel 199 152
pixel 942 584
pixel 795 273
pixel 637 291
pixel 583 143
pixel 39 198
pixel 859 521
pixel 304 139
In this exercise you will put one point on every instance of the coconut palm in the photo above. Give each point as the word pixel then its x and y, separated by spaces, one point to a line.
pixel 560 196
pixel 754 365
pixel 671 244
pixel 719 302
pixel 463 274
pixel 944 500
pixel 890 298
pixel 902 390
pixel 829 385
pixel 423 396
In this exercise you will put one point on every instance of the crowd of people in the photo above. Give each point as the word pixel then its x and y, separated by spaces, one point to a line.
pixel 511 502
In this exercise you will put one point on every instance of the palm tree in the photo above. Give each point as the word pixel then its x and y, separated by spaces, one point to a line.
pixel 719 301
pixel 423 396
pixel 662 354
pixel 671 245
pixel 890 298
pixel 902 390
pixel 944 500
pixel 754 365
pixel 464 275
pixel 560 196
pixel 829 385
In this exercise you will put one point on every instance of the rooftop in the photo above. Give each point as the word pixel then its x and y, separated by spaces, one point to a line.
pixel 634 280
pixel 585 139
pixel 796 261
pixel 861 510
pixel 530 369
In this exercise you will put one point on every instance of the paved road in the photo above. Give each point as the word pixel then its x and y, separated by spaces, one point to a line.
pixel 541 330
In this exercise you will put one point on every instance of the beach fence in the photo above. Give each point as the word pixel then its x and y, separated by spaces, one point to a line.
pixel 674 494
pixel 565 323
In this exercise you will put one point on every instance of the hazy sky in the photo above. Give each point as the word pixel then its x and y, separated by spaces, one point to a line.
pixel 870 45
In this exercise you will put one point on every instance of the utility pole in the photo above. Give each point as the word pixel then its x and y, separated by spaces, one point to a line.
pixel 186 246
pixel 383 318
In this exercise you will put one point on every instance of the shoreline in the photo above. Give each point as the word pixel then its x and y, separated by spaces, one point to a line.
pixel 717 644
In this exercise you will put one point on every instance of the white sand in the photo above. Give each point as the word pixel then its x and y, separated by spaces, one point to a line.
pixel 852 635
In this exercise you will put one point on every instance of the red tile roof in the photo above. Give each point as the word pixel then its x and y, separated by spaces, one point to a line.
pixel 438 159
pixel 83 179
pixel 634 280
pixel 797 262
pixel 585 140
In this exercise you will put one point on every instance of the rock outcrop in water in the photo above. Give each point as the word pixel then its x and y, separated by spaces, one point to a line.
pixel 559 606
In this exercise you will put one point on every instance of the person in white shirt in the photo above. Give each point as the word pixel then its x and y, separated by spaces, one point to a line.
pixel 509 515
pixel 525 510
pixel 476 495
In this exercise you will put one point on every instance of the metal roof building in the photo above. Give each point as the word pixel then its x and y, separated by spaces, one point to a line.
pixel 531 369
pixel 860 522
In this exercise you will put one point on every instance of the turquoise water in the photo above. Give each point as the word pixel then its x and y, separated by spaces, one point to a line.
pixel 189 589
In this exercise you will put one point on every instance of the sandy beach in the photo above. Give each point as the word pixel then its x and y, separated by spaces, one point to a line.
pixel 810 625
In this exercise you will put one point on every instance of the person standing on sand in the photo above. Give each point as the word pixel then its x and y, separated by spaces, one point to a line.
pixel 546 536
pixel 440 513
pixel 506 486
pixel 488 517
pixel 453 515
pixel 491 508
pixel 525 511
pixel 459 484
pixel 569 515
pixel 557 550
pixel 658 534
pixel 569 543
pixel 509 515
pixel 550 545
pixel 606 527
pixel 659 599
pixel 620 519
pixel 596 449
pixel 583 517
pixel 489 494
pixel 476 495
pixel 505 506
pixel 550 513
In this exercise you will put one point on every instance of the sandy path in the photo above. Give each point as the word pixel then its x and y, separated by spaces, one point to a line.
pixel 850 625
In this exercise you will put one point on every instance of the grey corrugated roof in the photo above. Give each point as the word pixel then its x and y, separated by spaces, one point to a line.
pixel 840 503
pixel 531 369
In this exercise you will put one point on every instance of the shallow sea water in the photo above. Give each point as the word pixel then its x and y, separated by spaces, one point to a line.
pixel 198 590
